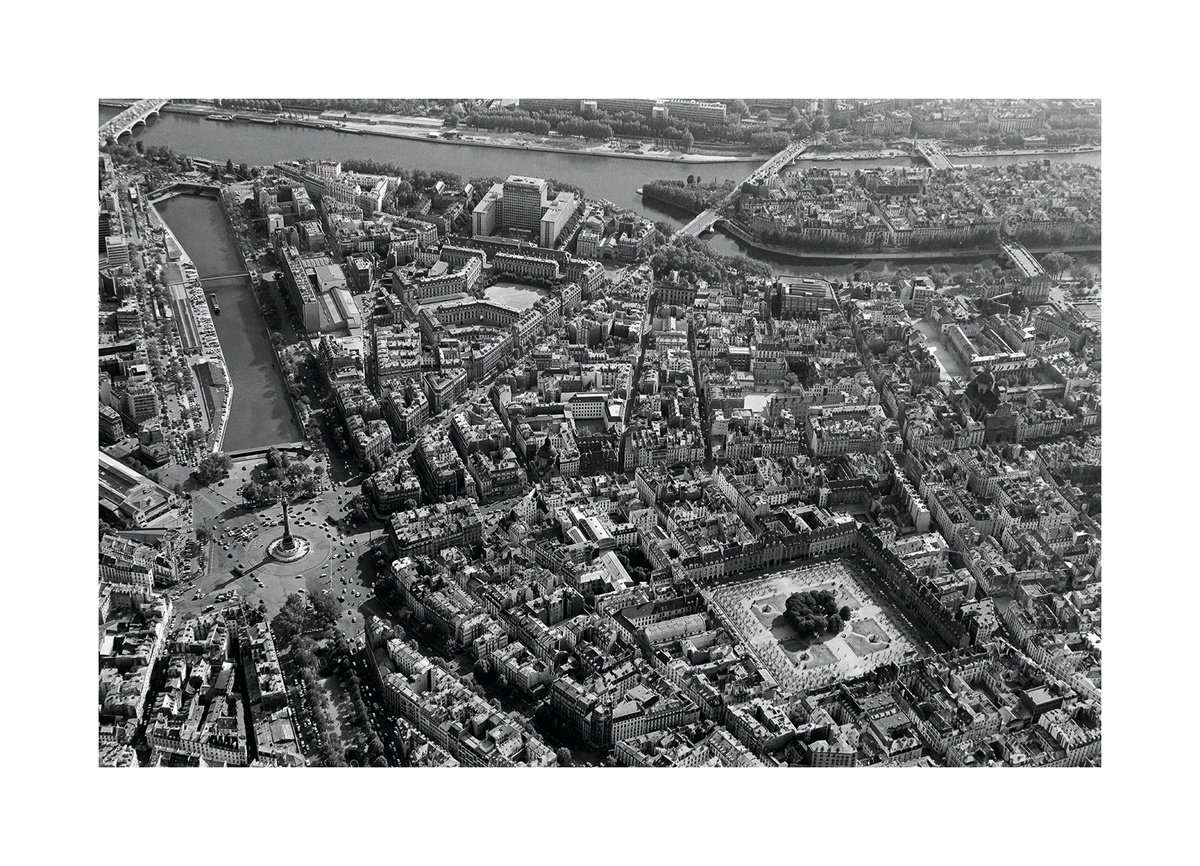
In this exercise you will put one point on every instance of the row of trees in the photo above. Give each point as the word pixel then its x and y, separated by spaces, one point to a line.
pixel 243 171
pixel 1016 140
pixel 984 240
pixel 485 182
pixel 1057 235
pixel 1071 137
pixel 1075 121
pixel 631 124
pixel 301 627
pixel 250 104
pixel 297 628
pixel 367 747
pixel 379 106
pixel 784 237
pixel 510 122
pixel 586 128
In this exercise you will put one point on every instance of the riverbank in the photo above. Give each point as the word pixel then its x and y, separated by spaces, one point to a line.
pixel 898 254
pixel 613 179
pixel 423 134
pixel 210 342
pixel 647 194
pixel 260 413
pixel 1061 151
pixel 855 155
pixel 240 243
pixel 472 140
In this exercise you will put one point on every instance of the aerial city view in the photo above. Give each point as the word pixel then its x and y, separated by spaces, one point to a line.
pixel 627 432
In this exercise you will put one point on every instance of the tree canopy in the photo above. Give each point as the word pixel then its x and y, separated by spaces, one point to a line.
pixel 280 475
pixel 213 468
pixel 813 612
pixel 1056 262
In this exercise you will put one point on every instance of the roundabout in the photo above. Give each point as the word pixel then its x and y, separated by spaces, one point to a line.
pixel 266 554
pixel 338 560
pixel 288 549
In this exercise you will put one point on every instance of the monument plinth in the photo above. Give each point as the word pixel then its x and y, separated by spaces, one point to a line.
pixel 288 548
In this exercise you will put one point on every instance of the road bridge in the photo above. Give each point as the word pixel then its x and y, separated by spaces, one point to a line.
pixel 767 171
pixel 700 223
pixel 131 117
pixel 1024 260
pixel 929 151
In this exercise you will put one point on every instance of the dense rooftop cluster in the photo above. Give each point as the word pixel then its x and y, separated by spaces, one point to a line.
pixel 676 513
pixel 821 208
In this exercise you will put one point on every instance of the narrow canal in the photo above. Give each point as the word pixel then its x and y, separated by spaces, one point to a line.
pixel 260 414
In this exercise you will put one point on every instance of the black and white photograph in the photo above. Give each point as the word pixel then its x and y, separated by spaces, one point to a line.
pixel 505 400
pixel 600 432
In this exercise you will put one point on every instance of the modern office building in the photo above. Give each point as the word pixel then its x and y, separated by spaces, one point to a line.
pixel 555 217
pixel 696 111
pixel 117 251
pixel 805 296
pixel 523 204
pixel 142 402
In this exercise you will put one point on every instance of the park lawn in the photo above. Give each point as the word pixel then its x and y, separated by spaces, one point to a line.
pixel 819 657
pixel 867 627
pixel 861 645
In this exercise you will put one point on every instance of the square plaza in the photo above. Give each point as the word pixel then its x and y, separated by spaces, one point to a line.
pixel 755 610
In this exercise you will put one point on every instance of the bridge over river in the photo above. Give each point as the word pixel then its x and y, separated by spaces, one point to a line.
pixel 702 222
pixel 132 116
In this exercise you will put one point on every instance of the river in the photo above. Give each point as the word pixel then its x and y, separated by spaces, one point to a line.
pixel 614 178
pixel 260 414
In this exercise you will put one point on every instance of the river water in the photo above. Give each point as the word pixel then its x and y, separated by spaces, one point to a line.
pixel 260 410
pixel 616 179
pixel 613 178
pixel 260 414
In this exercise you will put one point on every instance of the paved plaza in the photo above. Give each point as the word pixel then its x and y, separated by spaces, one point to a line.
pixel 339 558
pixel 755 608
